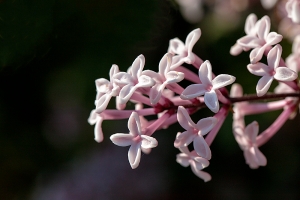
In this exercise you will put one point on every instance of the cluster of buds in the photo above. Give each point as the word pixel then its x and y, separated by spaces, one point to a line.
pixel 160 94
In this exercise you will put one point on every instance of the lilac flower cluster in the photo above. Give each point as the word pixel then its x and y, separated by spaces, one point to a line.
pixel 165 98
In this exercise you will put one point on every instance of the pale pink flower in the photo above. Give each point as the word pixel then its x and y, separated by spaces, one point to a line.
pixel 271 71
pixel 132 80
pixel 164 77
pixel 187 158
pixel 194 132
pixel 207 87
pixel 96 119
pixel 106 89
pixel 136 139
pixel 183 52
pixel 293 9
pixel 260 42
pixel 250 30
pixel 247 141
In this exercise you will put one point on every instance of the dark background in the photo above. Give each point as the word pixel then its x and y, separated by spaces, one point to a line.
pixel 51 52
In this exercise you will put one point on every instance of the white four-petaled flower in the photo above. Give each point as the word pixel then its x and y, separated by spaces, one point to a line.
pixel 197 163
pixel 207 87
pixel 271 71
pixel 194 132
pixel 246 137
pixel 134 79
pixel 164 77
pixel 183 52
pixel 135 139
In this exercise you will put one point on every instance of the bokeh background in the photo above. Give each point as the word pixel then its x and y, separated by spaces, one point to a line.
pixel 51 52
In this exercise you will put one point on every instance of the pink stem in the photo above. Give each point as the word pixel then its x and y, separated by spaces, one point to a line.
pixel 175 88
pixel 124 114
pixel 277 124
pixel 221 116
pixel 140 98
pixel 188 74
pixel 155 125
pixel 198 62
pixel 256 108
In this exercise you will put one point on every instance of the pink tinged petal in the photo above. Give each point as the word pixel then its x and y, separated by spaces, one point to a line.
pixel 258 69
pixel 122 139
pixel 102 85
pixel 193 91
pixel 125 93
pixel 184 139
pixel 201 174
pixel 288 7
pixel 93 117
pixel 103 102
pixel 134 155
pixel 205 73
pixel 201 147
pixel 113 70
pixel 148 142
pixel 250 158
pixel 174 77
pixel 164 64
pixel 176 46
pixel 201 163
pixel 261 159
pixel 273 38
pixel 184 119
pixel 98 130
pixel 177 61
pixel 222 80
pixel 146 151
pixel 285 74
pixel 274 56
pixel 123 78
pixel 251 132
pixel 250 24
pixel 236 49
pixel 152 74
pixel 190 41
pixel 183 159
pixel 205 125
pixel 155 93
pixel 263 85
pixel 250 41
pixel 263 27
pixel 145 81
pixel 119 105
pixel 137 67
pixel 134 124
pixel 211 101
pixel 257 54
pixel 296 45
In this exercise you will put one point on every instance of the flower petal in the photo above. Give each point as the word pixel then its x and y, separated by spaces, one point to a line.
pixel 273 38
pixel 176 46
pixel 285 74
pixel 184 119
pixel 201 147
pixel 184 139
pixel 211 101
pixel 174 77
pixel 102 85
pixel 103 102
pixel 201 174
pixel 205 73
pixel 222 80
pixel 134 124
pixel 263 85
pixel 205 125
pixel 201 163
pixel 122 139
pixel 93 117
pixel 258 69
pixel 251 132
pixel 137 67
pixel 274 56
pixel 145 81
pixel 250 24
pixel 125 93
pixel 134 155
pixel 98 130
pixel 113 70
pixel 193 91
pixel 263 27
pixel 250 41
pixel 261 159
pixel 256 54
pixel 183 159
pixel 123 78
pixel 148 142
pixel 155 93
